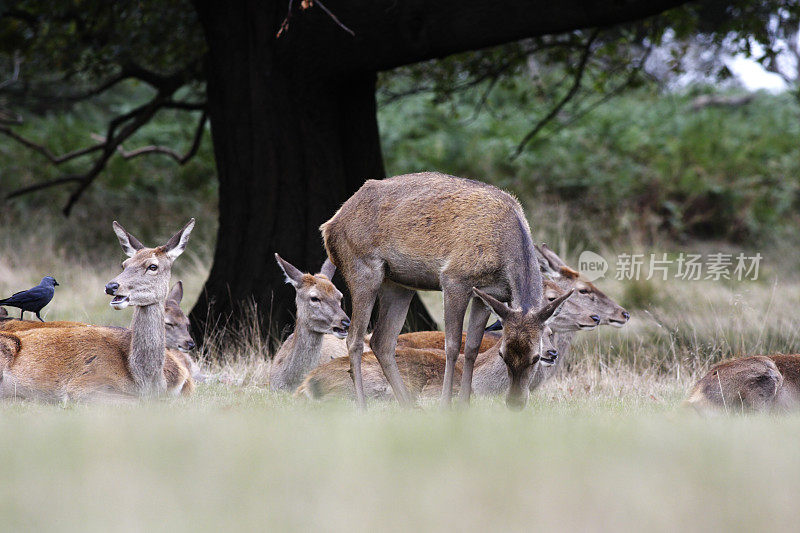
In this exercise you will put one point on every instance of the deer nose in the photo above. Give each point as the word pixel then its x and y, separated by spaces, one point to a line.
pixel 552 354
pixel 346 323
pixel 595 318
pixel 112 287
pixel 190 345
pixel 626 315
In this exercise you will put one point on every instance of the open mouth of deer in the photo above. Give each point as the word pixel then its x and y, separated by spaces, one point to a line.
pixel 120 302
pixel 547 360
pixel 340 333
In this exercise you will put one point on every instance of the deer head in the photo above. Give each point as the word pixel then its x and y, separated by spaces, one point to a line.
pixel 145 274
pixel 602 309
pixel 176 322
pixel 526 341
pixel 319 302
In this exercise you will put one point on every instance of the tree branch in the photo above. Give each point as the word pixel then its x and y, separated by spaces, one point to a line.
pixel 15 71
pixel 56 160
pixel 576 84
pixel 180 159
pixel 44 185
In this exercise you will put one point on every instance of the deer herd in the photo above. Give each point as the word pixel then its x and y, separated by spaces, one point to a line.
pixel 425 231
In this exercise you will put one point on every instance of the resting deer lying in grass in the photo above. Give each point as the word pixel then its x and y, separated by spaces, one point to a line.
pixel 587 308
pixel 176 323
pixel 105 363
pixel 749 384
pixel 319 312
pixel 436 232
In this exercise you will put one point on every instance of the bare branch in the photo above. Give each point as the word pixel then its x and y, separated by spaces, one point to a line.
pixel 15 73
pixel 44 185
pixel 56 160
pixel 185 106
pixel 332 16
pixel 576 84
pixel 285 24
pixel 305 4
pixel 100 89
pixel 180 159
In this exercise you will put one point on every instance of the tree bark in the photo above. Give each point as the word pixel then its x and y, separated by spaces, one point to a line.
pixel 294 122
pixel 290 147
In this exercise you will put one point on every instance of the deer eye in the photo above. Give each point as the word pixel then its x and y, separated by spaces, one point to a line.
pixel 584 291
pixel 314 299
pixel 551 298
pixel 153 267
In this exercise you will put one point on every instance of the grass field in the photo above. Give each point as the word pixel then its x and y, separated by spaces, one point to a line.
pixel 243 459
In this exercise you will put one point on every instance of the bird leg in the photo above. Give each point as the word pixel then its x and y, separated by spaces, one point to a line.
pixel 37 316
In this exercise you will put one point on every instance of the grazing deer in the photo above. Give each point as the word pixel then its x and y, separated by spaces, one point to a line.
pixel 587 308
pixel 86 363
pixel 319 312
pixel 749 384
pixel 437 232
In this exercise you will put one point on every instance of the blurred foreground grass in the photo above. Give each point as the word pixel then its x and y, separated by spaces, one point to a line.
pixel 244 459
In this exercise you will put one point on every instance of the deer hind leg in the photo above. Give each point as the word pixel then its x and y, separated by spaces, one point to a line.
pixel 393 302
pixel 478 317
pixel 456 297
pixel 364 281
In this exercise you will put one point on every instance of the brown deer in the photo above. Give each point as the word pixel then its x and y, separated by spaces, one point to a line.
pixel 609 312
pixel 587 308
pixel 319 313
pixel 437 232
pixel 178 335
pixel 422 370
pixel 87 363
pixel 749 384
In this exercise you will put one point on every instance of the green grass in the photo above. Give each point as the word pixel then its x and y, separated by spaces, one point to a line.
pixel 248 460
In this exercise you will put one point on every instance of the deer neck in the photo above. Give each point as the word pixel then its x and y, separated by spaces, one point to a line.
pixel 298 356
pixel 491 376
pixel 148 344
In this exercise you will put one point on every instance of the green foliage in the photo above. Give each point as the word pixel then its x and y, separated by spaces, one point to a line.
pixel 644 162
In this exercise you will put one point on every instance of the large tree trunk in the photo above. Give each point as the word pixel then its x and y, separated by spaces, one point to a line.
pixel 291 145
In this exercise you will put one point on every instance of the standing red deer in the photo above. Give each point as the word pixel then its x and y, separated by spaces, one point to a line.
pixel 431 231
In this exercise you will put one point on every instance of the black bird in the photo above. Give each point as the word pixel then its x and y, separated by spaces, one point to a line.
pixel 34 299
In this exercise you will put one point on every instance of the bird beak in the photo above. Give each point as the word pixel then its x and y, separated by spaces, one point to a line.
pixel 55 283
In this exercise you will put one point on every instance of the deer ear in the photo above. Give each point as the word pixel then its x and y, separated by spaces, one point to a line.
pixel 176 294
pixel 552 309
pixel 293 275
pixel 129 243
pixel 177 243
pixel 328 269
pixel 549 263
pixel 501 309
